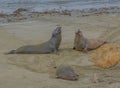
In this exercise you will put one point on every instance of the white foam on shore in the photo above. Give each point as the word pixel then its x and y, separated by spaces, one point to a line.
pixel 8 6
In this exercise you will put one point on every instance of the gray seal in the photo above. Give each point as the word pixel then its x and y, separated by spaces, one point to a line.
pixel 50 46
pixel 67 73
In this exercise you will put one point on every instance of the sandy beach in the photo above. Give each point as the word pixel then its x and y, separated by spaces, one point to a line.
pixel 38 70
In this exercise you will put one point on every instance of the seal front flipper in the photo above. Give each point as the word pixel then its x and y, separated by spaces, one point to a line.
pixel 56 52
pixel 85 50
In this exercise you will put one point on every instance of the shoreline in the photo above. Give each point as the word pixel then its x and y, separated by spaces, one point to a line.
pixel 24 14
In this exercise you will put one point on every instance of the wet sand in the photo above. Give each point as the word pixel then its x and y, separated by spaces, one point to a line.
pixel 38 70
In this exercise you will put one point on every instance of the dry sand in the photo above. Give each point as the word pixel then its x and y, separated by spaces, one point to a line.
pixel 37 70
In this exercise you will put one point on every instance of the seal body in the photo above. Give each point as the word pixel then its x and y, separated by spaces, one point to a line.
pixel 67 73
pixel 83 44
pixel 79 41
pixel 49 46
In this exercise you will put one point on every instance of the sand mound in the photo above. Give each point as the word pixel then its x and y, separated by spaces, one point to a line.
pixel 107 56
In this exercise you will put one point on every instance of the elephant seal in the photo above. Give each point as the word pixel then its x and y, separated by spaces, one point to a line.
pixel 49 46
pixel 67 73
pixel 83 44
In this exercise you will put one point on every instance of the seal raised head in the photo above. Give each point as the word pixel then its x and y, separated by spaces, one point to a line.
pixel 50 46
pixel 83 44
pixel 79 41
pixel 67 73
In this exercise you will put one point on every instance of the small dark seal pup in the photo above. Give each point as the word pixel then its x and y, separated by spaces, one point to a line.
pixel 67 73
pixel 51 46
pixel 83 44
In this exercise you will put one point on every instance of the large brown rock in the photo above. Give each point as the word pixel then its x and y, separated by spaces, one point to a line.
pixel 106 56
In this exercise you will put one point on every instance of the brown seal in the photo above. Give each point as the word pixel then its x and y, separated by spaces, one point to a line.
pixel 50 46
pixel 67 73
pixel 83 44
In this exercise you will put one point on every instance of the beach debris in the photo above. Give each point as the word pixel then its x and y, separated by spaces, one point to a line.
pixel 106 56
pixel 66 12
pixel 67 73
pixel 53 12
pixel 24 13
pixel 95 78
pixel 3 15
pixel 19 10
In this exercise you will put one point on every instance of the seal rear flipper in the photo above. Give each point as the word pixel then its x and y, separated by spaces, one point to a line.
pixel 11 52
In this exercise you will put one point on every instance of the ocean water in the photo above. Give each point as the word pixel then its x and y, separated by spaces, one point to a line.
pixel 8 6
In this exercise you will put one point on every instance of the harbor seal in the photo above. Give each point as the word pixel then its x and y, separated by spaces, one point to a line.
pixel 83 44
pixel 50 46
pixel 67 73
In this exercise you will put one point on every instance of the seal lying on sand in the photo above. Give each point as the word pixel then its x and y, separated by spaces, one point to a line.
pixel 67 73
pixel 50 46
pixel 83 44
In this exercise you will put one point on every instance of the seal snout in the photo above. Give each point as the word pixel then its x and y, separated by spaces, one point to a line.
pixel 78 32
pixel 73 76
pixel 58 29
